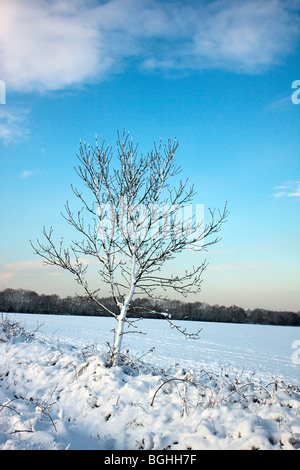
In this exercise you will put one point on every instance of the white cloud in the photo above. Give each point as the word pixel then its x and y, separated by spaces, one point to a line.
pixel 24 265
pixel 237 266
pixel 12 124
pixel 46 45
pixel 246 36
pixel 50 45
pixel 21 269
pixel 5 276
pixel 289 189
pixel 28 173
pixel 11 270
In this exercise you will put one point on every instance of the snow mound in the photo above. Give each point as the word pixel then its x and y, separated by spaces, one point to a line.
pixel 55 396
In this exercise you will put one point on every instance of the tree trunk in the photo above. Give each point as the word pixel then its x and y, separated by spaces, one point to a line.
pixel 122 317
pixel 119 335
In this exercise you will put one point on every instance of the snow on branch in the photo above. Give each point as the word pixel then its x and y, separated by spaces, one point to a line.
pixel 131 222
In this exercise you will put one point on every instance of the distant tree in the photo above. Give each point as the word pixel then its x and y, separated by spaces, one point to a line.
pixel 130 222
pixel 236 314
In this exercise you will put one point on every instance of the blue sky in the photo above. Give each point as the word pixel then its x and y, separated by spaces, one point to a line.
pixel 217 75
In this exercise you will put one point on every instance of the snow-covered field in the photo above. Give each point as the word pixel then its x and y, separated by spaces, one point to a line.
pixel 235 388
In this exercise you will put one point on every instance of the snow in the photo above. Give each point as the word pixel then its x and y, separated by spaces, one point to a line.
pixel 237 387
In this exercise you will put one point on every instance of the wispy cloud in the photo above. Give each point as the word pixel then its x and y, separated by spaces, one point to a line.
pixel 247 36
pixel 6 275
pixel 28 173
pixel 52 45
pixel 26 268
pixel 289 189
pixel 13 124
pixel 238 266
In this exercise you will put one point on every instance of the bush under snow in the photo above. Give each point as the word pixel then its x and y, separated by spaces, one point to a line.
pixel 56 396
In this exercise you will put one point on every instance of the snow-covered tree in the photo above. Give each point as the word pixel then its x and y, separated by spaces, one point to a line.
pixel 131 222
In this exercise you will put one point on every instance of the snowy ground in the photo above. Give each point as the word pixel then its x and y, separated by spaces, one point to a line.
pixel 235 388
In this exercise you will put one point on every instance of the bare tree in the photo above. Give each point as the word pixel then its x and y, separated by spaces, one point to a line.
pixel 131 222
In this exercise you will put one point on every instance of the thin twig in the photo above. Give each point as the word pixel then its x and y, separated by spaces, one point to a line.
pixel 170 380
pixel 6 406
pixel 21 430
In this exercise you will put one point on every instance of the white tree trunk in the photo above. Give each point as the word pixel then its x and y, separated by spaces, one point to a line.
pixel 122 315
pixel 119 336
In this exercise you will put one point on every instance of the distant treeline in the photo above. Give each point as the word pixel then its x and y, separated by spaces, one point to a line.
pixel 25 301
